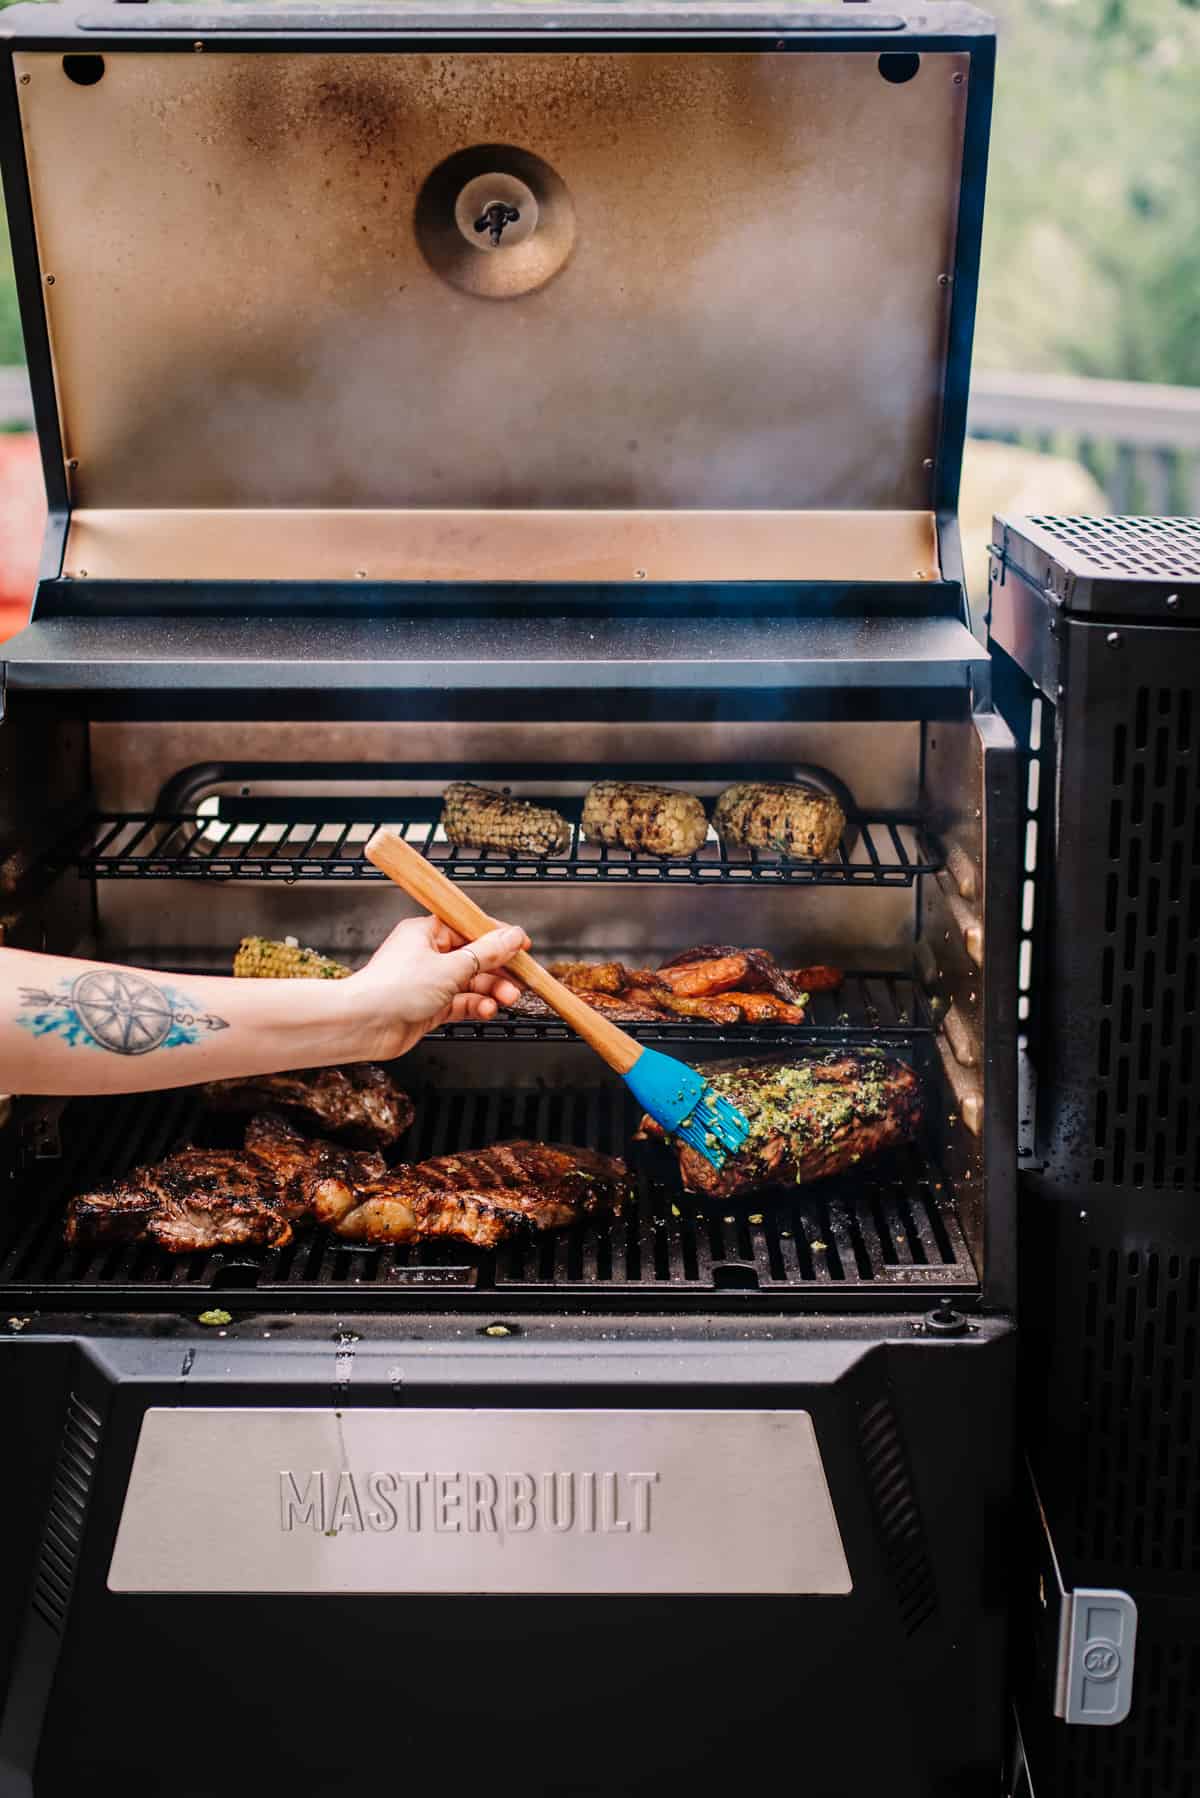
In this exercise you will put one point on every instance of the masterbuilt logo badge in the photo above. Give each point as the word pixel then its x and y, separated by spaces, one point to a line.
pixel 487 1504
pixel 408 1499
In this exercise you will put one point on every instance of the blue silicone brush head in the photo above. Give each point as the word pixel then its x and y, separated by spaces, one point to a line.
pixel 681 1100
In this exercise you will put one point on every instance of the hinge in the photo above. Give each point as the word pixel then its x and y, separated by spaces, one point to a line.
pixel 1094 1642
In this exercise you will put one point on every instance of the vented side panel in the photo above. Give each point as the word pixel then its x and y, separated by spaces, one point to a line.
pixel 1146 1116
pixel 54 1577
pixel 1155 1753
pixel 1112 1387
pixel 1136 1498
pixel 1117 1040
pixel 1146 548
pixel 894 1501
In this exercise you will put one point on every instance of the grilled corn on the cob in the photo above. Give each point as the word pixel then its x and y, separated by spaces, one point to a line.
pixel 259 958
pixel 476 818
pixel 656 819
pixel 785 815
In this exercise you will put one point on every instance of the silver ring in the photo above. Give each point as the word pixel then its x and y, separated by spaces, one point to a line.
pixel 475 959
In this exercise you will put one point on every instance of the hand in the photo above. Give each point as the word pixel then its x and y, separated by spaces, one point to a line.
pixel 424 975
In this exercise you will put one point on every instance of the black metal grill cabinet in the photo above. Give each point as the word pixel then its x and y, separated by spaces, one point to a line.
pixel 350 499
pixel 1095 637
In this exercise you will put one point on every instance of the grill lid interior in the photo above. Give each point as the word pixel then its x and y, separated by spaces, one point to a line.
pixel 736 292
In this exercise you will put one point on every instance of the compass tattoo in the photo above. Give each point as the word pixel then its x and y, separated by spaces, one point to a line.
pixel 110 1008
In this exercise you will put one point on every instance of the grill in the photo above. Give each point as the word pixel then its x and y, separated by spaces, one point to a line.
pixel 887 851
pixel 366 500
pixel 871 1238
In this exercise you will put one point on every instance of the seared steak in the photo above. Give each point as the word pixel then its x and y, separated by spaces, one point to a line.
pixel 482 1196
pixel 361 1104
pixel 195 1199
pixel 808 1118
pixel 316 1180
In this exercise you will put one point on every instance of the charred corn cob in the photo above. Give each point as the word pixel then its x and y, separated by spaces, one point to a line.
pixel 259 958
pixel 656 819
pixel 785 815
pixel 476 818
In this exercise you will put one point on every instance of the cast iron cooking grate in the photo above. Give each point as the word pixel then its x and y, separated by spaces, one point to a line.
pixel 1147 548
pixel 863 1240
pixel 225 844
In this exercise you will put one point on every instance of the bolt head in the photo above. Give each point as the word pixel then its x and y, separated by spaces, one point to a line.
pixel 1113 639
pixel 1172 601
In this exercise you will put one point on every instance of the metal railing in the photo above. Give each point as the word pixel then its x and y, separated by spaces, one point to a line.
pixel 1140 441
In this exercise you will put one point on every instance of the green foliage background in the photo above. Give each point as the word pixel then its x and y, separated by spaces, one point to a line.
pixel 1092 252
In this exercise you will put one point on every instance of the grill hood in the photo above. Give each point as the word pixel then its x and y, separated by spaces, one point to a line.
pixel 742 280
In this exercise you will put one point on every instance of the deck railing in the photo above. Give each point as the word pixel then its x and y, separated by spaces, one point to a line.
pixel 1140 441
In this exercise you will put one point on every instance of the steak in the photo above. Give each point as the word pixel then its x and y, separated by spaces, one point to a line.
pixel 360 1104
pixel 483 1196
pixel 194 1199
pixel 317 1181
pixel 809 1118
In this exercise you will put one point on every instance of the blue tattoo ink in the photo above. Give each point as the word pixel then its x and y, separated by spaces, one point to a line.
pixel 116 1009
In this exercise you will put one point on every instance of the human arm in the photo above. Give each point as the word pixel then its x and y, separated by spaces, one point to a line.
pixel 69 1026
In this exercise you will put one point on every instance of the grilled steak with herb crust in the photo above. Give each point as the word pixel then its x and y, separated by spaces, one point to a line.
pixel 808 1118
pixel 482 1196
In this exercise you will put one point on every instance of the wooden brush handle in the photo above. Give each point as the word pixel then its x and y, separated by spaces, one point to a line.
pixel 431 888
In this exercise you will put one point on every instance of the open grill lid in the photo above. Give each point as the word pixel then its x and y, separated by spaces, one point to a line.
pixel 256 248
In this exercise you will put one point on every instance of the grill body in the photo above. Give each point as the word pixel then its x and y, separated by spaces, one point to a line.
pixel 621 1692
pixel 271 621
pixel 1097 657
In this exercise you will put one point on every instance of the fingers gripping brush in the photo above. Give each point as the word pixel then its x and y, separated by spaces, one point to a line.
pixel 676 1096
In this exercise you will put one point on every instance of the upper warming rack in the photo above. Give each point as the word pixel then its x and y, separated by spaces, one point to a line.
pixel 225 843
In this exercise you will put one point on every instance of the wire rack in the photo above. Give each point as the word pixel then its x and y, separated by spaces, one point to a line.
pixel 880 850
pixel 866 1008
pixel 875 1238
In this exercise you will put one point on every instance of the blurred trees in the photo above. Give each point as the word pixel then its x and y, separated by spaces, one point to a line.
pixel 1092 250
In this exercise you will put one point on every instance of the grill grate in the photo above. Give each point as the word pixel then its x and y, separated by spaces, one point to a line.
pixel 886 850
pixel 875 1237
pixel 866 1008
pixel 1147 548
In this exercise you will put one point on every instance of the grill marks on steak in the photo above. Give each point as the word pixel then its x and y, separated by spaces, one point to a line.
pixel 361 1104
pixel 201 1199
pixel 195 1199
pixel 483 1196
pixel 809 1118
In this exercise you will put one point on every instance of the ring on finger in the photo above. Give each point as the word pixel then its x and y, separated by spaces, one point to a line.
pixel 475 959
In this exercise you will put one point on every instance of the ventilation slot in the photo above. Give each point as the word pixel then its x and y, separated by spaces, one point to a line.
pixel 1153 548
pixel 1139 1457
pixel 897 1516
pixel 63 1536
pixel 1156 1753
pixel 1145 1123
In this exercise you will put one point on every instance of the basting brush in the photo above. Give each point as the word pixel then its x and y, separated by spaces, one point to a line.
pixel 675 1095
